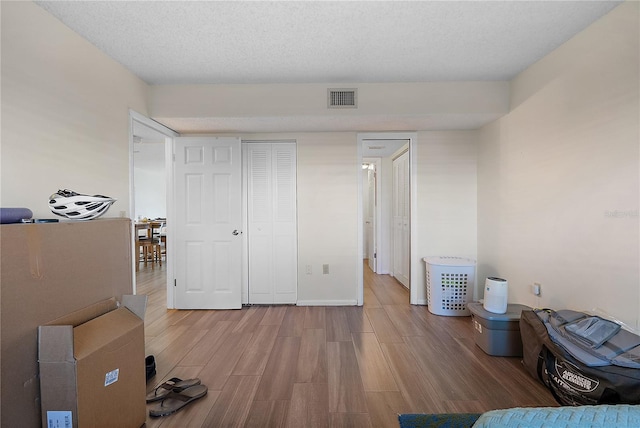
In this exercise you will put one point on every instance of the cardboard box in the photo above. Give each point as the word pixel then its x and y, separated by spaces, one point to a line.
pixel 497 334
pixel 92 370
pixel 49 270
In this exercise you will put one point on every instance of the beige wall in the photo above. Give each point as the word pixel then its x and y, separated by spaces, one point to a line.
pixel 558 186
pixel 65 113
pixel 446 198
pixel 328 176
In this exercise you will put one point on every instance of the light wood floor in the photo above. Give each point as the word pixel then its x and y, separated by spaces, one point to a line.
pixel 296 366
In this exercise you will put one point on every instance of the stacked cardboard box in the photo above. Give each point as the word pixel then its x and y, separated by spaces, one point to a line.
pixel 47 271
pixel 92 370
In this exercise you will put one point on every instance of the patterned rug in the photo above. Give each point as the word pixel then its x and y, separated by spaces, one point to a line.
pixel 442 420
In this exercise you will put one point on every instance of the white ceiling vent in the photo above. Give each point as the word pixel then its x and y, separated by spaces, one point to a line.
pixel 342 98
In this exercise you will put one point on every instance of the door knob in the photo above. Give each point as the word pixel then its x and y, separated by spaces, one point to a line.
pixel 235 232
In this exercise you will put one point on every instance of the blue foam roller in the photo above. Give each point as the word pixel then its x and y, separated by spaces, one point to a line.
pixel 14 215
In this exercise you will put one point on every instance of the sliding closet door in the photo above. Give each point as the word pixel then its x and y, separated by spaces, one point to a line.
pixel 401 232
pixel 271 221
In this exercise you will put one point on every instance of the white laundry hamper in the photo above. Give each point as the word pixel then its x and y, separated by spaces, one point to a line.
pixel 449 282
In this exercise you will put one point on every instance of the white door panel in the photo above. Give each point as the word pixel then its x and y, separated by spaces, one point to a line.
pixel 207 198
pixel 370 222
pixel 401 232
pixel 271 219
pixel 285 279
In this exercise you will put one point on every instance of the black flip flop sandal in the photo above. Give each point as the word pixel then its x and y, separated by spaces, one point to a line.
pixel 172 385
pixel 177 400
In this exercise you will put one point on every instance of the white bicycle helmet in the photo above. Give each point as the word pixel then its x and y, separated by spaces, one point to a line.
pixel 69 204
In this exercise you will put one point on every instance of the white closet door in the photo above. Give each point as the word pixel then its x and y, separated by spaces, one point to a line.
pixel 401 232
pixel 271 219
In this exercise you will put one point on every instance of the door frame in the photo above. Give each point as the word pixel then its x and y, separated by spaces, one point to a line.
pixel 169 134
pixel 414 279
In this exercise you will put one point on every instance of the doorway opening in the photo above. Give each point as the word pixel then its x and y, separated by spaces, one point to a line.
pixel 371 208
pixel 149 160
pixel 384 207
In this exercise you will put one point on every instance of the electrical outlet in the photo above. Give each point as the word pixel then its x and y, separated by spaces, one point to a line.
pixel 309 271
pixel 535 288
pixel 325 269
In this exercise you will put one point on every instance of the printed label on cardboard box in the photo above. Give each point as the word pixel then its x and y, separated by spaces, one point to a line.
pixel 59 419
pixel 111 377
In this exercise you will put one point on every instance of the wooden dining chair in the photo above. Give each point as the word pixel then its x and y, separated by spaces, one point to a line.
pixel 143 243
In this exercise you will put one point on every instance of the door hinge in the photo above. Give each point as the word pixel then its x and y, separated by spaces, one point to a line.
pixel 175 282
pixel 375 255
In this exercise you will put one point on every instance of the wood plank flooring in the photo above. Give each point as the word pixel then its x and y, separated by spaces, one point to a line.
pixel 296 366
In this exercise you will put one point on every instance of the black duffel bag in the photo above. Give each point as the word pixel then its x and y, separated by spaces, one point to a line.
pixel 571 382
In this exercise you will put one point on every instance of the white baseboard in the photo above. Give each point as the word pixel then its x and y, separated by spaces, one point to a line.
pixel 327 303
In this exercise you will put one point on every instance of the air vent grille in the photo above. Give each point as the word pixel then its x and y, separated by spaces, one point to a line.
pixel 342 98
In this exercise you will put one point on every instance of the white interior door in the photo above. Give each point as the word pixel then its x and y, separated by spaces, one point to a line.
pixel 271 223
pixel 370 222
pixel 365 214
pixel 208 219
pixel 401 232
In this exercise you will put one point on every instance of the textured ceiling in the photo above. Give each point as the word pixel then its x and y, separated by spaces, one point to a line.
pixel 179 42
pixel 311 41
